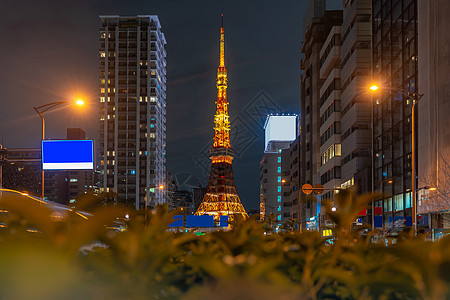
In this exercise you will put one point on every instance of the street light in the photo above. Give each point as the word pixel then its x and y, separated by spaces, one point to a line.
pixel 147 190
pixel 415 98
pixel 42 109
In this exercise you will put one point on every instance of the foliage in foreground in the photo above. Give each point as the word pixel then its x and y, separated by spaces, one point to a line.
pixel 40 258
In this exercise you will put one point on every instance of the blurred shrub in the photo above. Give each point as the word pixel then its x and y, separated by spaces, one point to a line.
pixel 44 255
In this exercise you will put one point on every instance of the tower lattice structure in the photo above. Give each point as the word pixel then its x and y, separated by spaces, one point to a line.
pixel 221 198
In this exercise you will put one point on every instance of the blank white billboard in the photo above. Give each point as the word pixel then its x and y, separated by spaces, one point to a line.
pixel 280 128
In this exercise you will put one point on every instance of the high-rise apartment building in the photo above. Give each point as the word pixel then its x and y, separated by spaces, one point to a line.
pixel 132 144
pixel 394 64
pixel 280 132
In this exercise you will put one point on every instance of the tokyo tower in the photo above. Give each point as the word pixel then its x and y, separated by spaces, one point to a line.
pixel 221 198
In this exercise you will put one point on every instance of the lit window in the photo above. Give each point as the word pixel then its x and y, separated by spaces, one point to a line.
pixel 133 172
pixel 279 169
pixel 102 54
pixel 279 208
pixel 279 189
pixel 279 159
pixel 279 199
pixel 279 178
pixel 152 125
pixel 73 180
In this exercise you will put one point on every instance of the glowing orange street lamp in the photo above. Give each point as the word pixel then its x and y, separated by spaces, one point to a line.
pixel 432 188
pixel 414 97
pixel 161 187
pixel 42 109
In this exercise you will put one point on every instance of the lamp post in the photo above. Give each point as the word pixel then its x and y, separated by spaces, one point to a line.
pixel 147 190
pixel 40 110
pixel 415 98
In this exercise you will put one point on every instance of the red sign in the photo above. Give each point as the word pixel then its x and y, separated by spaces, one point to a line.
pixel 363 212
pixel 378 210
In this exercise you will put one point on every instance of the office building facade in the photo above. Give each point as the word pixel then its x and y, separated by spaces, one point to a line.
pixel 280 132
pixel 132 144
pixel 394 65
pixel 356 133
pixel 20 170
pixel 315 136
pixel 294 171
pixel 336 106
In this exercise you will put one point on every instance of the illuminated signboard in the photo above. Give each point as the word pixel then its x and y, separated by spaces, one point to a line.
pixel 178 221
pixel 68 155
pixel 280 128
pixel 199 221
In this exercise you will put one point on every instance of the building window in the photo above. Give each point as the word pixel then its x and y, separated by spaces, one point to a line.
pixel 398 202
pixel 279 199
pixel 279 159
pixel 332 151
pixel 279 169
pixel 279 189
pixel 279 178
pixel 388 205
pixel 408 200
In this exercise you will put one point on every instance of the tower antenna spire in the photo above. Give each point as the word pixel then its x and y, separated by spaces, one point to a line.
pixel 221 198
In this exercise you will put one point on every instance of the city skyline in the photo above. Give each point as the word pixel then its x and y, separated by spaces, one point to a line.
pixel 62 61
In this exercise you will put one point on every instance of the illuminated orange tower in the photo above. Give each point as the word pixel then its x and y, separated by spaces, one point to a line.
pixel 221 198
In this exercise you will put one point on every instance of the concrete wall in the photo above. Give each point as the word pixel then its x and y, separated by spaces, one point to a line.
pixel 433 144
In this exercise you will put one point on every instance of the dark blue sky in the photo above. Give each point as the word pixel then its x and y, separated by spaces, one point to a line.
pixel 49 52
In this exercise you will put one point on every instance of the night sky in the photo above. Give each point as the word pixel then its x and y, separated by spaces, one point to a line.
pixel 49 52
